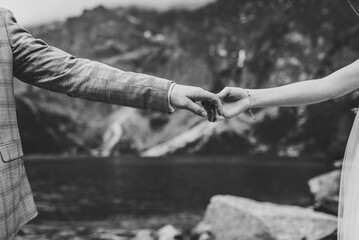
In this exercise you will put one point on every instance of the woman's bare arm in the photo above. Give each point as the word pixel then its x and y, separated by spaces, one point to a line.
pixel 337 84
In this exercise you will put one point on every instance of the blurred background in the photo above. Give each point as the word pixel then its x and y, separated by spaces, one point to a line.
pixel 96 168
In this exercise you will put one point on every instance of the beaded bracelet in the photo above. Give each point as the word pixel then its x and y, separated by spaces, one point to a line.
pixel 250 104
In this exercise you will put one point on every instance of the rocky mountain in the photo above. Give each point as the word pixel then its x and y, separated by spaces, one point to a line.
pixel 260 43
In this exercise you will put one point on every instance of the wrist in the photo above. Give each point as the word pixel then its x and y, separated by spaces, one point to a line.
pixel 171 109
pixel 250 104
pixel 254 98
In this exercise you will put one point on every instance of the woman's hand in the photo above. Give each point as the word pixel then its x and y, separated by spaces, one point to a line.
pixel 235 101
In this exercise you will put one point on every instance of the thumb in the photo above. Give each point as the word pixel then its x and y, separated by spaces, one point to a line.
pixel 224 93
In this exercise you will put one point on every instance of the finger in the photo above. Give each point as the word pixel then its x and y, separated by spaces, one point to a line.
pixel 218 103
pixel 224 93
pixel 219 118
pixel 195 108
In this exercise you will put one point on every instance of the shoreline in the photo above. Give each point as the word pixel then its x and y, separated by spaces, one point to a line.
pixel 260 160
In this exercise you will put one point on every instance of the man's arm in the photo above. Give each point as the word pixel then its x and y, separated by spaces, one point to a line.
pixel 47 67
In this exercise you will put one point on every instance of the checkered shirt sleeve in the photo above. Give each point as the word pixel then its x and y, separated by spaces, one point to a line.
pixel 50 68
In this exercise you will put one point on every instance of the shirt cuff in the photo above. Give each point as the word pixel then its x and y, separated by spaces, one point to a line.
pixel 170 107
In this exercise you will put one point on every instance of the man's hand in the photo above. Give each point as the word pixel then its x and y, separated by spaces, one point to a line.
pixel 184 97
pixel 235 101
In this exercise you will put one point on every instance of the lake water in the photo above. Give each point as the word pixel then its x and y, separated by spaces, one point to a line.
pixel 91 189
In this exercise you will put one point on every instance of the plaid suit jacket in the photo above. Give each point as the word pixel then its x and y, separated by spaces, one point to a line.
pixel 34 62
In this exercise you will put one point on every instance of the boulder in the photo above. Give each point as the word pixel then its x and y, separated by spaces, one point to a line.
pixel 238 218
pixel 325 191
pixel 202 232
pixel 325 185
pixel 143 235
pixel 169 232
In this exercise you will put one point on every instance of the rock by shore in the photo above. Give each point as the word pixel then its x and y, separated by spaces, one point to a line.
pixel 325 191
pixel 232 217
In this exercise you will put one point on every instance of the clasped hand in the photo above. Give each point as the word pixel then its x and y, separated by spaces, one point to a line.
pixel 227 104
